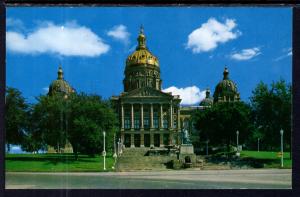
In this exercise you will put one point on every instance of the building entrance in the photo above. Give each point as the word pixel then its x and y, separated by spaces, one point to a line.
pixel 166 139
pixel 156 140
pixel 127 140
pixel 137 140
pixel 147 140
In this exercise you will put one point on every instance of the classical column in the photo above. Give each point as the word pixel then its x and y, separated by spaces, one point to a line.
pixel 178 125
pixel 151 116
pixel 132 117
pixel 142 139
pixel 142 125
pixel 122 116
pixel 142 116
pixel 161 122
pixel 171 138
pixel 161 140
pixel 178 118
pixel 171 116
pixel 132 140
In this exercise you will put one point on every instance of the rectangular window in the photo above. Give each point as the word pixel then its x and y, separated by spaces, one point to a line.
pixel 146 122
pixel 137 118
pixel 174 123
pixel 155 122
pixel 155 119
pixel 165 121
pixel 136 123
pixel 127 123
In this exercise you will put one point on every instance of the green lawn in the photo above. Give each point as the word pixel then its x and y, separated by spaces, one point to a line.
pixel 269 159
pixel 55 163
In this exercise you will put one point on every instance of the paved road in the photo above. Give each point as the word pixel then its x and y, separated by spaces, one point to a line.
pixel 185 179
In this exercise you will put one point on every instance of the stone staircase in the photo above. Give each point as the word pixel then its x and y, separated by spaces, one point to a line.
pixel 134 159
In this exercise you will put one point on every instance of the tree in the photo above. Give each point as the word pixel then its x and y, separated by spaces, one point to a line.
pixel 89 116
pixel 271 111
pixel 220 123
pixel 48 121
pixel 16 113
pixel 79 119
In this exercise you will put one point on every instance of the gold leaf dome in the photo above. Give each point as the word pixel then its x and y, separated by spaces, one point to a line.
pixel 142 56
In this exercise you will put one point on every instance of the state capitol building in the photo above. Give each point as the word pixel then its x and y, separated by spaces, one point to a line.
pixel 148 116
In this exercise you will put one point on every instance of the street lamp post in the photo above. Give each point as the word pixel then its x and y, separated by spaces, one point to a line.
pixel 257 144
pixel 104 152
pixel 281 134
pixel 207 147
pixel 115 153
pixel 237 143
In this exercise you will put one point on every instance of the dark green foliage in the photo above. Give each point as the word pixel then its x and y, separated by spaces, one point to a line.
pixel 16 116
pixel 220 123
pixel 78 119
pixel 48 121
pixel 89 116
pixel 272 111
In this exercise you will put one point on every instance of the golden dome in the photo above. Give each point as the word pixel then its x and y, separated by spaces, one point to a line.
pixel 141 55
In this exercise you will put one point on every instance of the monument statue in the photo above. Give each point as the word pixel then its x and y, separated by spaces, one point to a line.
pixel 185 137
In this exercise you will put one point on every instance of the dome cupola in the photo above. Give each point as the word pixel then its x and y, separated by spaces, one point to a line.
pixel 142 56
pixel 60 86
pixel 208 101
pixel 142 67
pixel 226 90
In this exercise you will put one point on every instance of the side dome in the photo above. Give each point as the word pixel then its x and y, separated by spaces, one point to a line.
pixel 142 56
pixel 208 101
pixel 60 86
pixel 226 90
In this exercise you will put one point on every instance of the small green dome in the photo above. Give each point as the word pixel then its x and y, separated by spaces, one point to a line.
pixel 60 86
pixel 226 90
pixel 208 101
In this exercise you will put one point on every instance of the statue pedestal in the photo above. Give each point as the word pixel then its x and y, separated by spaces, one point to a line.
pixel 186 153
pixel 186 149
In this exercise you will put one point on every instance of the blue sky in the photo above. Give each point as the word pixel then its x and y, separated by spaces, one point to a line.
pixel 193 46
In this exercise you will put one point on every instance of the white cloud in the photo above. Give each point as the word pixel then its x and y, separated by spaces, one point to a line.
pixel 120 33
pixel 189 95
pixel 68 40
pixel 288 52
pixel 46 89
pixel 246 54
pixel 210 34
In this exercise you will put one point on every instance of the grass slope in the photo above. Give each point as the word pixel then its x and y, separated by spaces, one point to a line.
pixel 56 163
pixel 269 159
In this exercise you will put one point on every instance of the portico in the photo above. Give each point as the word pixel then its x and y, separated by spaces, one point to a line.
pixel 148 123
